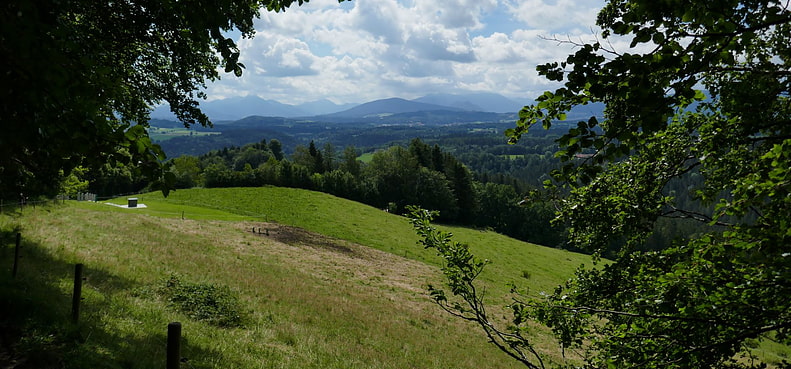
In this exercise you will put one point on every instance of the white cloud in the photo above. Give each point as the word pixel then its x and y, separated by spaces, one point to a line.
pixel 435 44
pixel 381 19
pixel 277 56
pixel 369 49
pixel 454 14
pixel 556 15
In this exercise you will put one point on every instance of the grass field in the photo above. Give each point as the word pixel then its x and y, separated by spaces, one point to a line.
pixel 316 298
pixel 324 283
pixel 511 157
pixel 159 134
pixel 366 157
pixel 366 225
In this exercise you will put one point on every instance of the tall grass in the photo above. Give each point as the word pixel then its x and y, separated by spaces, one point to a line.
pixel 311 305
pixel 346 292
pixel 533 267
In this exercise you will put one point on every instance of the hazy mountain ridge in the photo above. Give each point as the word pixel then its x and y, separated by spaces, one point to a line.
pixel 389 107
pixel 235 108
pixel 481 101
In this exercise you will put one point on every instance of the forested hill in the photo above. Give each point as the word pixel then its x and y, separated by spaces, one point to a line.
pixel 391 179
pixel 480 186
pixel 501 174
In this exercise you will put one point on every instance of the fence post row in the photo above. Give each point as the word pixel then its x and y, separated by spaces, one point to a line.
pixel 174 328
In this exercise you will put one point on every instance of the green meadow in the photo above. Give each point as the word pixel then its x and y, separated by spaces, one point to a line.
pixel 372 227
pixel 366 157
pixel 318 281
pixel 159 134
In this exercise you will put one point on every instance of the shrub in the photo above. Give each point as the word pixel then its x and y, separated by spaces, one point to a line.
pixel 217 305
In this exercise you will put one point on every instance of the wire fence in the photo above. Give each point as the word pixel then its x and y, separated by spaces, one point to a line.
pixel 173 359
pixel 12 206
pixel 23 201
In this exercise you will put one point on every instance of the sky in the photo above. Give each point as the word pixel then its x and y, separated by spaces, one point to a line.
pixel 363 50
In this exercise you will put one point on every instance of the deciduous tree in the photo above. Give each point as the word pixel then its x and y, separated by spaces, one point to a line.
pixel 79 78
pixel 709 94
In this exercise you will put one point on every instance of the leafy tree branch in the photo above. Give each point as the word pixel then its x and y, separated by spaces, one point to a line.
pixel 81 95
pixel 710 100
pixel 461 269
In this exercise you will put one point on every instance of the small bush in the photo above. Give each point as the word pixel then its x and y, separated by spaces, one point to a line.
pixel 217 305
pixel 525 274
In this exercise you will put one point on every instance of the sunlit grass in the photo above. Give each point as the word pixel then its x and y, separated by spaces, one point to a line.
pixel 366 157
pixel 314 301
pixel 366 225
pixel 311 306
pixel 159 134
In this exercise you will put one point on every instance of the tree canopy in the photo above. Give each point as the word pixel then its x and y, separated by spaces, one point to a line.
pixel 79 78
pixel 708 95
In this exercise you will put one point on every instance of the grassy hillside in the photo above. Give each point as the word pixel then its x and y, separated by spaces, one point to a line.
pixel 366 225
pixel 310 300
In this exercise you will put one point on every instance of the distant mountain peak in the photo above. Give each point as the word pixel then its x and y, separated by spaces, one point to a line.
pixel 234 108
pixel 393 105
pixel 238 107
pixel 475 101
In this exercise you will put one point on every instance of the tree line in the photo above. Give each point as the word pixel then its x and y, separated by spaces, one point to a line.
pixel 475 185
pixel 395 177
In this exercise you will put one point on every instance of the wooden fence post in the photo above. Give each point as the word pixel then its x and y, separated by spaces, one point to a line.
pixel 77 295
pixel 16 254
pixel 174 345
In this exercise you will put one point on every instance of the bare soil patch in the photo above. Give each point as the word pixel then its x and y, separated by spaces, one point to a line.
pixel 346 262
pixel 298 236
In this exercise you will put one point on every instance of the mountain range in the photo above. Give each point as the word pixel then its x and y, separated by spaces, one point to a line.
pixel 235 108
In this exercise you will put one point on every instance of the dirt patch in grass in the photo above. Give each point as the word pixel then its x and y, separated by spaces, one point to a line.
pixel 298 236
pixel 346 262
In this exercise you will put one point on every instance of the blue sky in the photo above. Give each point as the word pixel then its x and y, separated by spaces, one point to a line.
pixel 364 50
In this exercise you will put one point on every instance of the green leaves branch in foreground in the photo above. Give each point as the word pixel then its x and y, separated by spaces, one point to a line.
pixel 461 269
pixel 694 305
pixel 699 301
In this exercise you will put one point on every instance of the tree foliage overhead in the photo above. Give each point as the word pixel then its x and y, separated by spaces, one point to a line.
pixel 710 95
pixel 80 76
